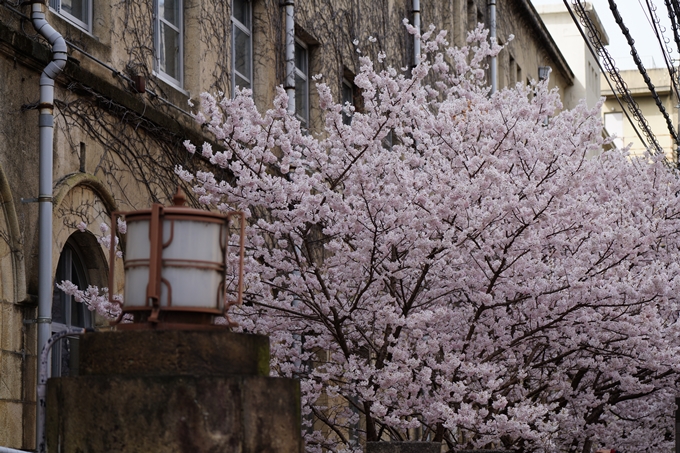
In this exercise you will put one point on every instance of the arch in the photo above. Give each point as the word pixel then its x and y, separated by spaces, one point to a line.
pixel 82 198
pixel 80 248
pixel 68 183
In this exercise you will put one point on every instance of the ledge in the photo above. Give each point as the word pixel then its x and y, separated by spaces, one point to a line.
pixel 36 55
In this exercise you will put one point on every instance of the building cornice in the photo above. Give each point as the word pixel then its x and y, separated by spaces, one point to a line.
pixel 528 12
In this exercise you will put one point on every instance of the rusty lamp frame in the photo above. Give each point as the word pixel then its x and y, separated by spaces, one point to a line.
pixel 153 315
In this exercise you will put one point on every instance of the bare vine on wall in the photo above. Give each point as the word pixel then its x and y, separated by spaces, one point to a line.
pixel 134 149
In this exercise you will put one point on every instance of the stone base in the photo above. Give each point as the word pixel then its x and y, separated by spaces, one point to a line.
pixel 148 400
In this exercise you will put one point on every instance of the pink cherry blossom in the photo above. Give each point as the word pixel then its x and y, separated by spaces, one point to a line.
pixel 479 281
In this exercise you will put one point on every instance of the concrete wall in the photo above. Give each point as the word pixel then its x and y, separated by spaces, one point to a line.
pixel 567 36
pixel 649 109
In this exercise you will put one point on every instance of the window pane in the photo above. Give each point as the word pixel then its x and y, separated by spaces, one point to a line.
pixel 169 51
pixel 301 107
pixel 242 52
pixel 241 82
pixel 170 11
pixel 301 58
pixel 347 98
pixel 61 358
pixel 241 12
pixel 58 305
pixel 77 9
pixel 78 314
pixel 347 93
pixel 613 123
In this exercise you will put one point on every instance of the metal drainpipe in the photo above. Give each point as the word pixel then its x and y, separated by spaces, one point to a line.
pixel 46 124
pixel 416 37
pixel 290 55
pixel 492 33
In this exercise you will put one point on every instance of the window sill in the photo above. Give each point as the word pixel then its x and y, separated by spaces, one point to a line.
pixel 80 37
pixel 171 91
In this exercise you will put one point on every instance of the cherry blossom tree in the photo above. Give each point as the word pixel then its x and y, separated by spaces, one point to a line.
pixel 478 280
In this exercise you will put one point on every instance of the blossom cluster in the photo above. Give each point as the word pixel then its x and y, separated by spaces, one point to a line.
pixel 480 282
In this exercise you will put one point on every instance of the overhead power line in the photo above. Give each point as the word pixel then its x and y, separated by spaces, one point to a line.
pixel 665 49
pixel 638 62
pixel 611 74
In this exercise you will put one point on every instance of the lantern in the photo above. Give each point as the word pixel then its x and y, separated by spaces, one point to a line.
pixel 176 263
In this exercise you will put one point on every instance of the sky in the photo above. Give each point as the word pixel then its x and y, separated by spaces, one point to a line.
pixel 638 22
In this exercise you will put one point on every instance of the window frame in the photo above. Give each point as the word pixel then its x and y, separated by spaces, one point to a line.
pixel 303 74
pixel 158 21
pixel 55 5
pixel 248 31
pixel 69 259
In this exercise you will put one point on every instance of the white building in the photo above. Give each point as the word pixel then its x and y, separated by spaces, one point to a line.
pixel 575 50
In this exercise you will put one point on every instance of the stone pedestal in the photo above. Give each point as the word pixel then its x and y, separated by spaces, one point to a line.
pixel 172 392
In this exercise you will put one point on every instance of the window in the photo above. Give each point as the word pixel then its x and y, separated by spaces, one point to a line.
pixel 518 76
pixel 347 100
pixel 512 71
pixel 66 312
pixel 302 84
pixel 241 44
pixel 613 123
pixel 168 36
pixel 78 12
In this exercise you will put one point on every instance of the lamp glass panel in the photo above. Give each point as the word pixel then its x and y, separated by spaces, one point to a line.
pixel 137 240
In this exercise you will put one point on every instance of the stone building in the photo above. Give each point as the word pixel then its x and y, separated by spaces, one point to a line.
pixel 121 113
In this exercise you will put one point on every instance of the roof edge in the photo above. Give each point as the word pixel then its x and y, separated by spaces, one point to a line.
pixel 535 22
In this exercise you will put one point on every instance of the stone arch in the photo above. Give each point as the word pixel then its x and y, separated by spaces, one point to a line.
pixel 81 204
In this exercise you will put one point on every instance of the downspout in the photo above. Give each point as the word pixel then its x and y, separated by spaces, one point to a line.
pixel 46 124
pixel 493 69
pixel 416 37
pixel 290 55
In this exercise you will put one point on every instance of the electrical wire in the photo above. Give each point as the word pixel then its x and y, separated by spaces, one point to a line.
pixel 610 73
pixel 638 62
pixel 663 43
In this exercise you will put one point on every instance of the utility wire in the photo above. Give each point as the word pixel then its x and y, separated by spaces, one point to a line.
pixel 633 52
pixel 608 68
pixel 673 7
pixel 663 43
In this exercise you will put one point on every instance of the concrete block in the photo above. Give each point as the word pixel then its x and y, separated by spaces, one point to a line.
pixel 10 377
pixel 11 434
pixel 174 352
pixel 11 331
pixel 173 414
